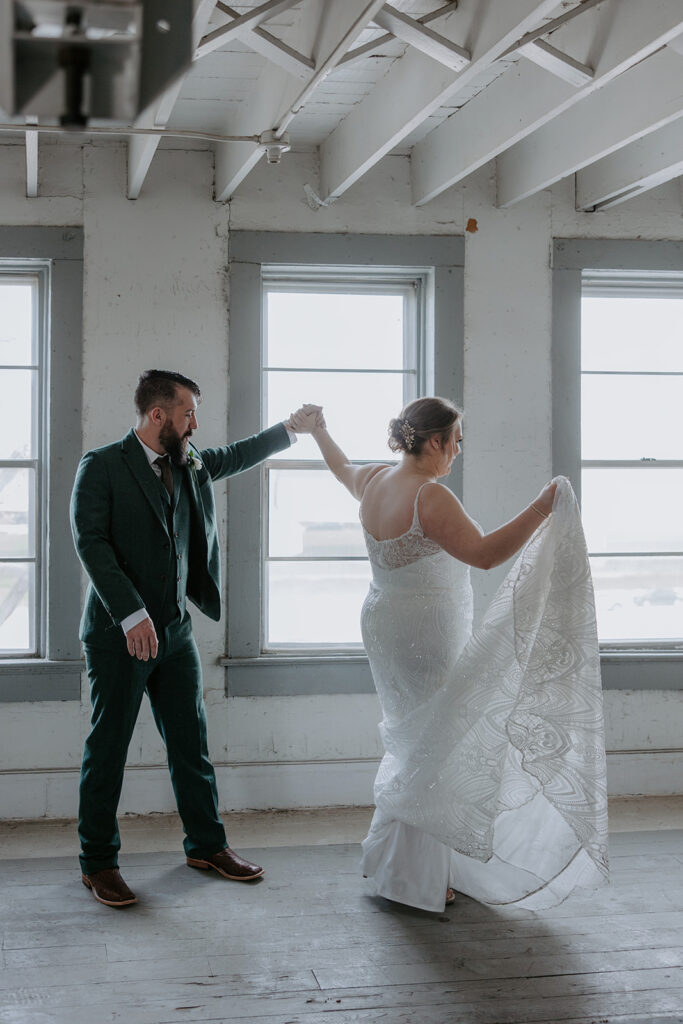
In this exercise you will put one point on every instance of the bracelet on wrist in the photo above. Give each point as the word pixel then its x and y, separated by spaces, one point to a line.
pixel 536 509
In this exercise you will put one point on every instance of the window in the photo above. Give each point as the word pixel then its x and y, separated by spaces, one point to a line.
pixel 360 324
pixel 615 371
pixel 22 359
pixel 41 294
pixel 348 341
pixel 632 452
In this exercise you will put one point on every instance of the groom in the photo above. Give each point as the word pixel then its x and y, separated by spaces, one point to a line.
pixel 144 526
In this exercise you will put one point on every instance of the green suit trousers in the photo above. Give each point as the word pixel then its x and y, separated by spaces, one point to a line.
pixel 173 682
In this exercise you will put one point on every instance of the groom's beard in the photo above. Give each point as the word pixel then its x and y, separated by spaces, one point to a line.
pixel 175 444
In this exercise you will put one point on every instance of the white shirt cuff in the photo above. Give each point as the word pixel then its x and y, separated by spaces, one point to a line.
pixel 292 436
pixel 133 620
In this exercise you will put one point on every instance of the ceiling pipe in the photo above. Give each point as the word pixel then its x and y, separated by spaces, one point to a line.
pixel 171 133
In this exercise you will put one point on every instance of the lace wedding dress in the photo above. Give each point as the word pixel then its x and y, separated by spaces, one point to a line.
pixel 493 780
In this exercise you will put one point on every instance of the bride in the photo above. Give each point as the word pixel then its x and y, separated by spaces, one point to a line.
pixel 493 779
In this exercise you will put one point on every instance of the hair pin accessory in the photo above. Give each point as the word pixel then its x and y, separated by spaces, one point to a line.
pixel 408 434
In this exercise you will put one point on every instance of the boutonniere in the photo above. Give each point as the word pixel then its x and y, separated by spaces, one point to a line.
pixel 193 461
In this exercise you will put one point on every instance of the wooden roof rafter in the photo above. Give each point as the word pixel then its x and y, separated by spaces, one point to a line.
pixel 504 119
pixel 646 97
pixel 274 49
pixel 279 96
pixel 416 86
pixel 31 143
pixel 388 37
pixel 141 149
pixel 248 27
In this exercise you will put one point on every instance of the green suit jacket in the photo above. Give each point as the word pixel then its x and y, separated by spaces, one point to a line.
pixel 121 534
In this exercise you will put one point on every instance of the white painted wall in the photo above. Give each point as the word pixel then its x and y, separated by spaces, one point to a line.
pixel 156 294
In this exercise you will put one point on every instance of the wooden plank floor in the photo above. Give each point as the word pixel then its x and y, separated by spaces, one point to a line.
pixel 310 944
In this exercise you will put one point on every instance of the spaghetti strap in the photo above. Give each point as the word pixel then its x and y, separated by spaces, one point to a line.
pixel 416 518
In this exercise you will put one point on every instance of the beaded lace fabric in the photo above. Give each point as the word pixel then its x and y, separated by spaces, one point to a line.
pixel 494 740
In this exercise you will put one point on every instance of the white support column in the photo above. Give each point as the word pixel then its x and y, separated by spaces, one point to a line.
pixel 644 98
pixel 416 86
pixel 141 149
pixel 636 168
pixel 525 97
pixel 31 159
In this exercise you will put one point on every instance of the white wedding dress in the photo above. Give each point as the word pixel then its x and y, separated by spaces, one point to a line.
pixel 493 780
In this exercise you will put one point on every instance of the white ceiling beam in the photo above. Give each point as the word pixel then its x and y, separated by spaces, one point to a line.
pixel 270 98
pixel 276 101
pixel 240 26
pixel 416 86
pixel 389 37
pixel 636 168
pixel 31 141
pixel 340 27
pixel 525 97
pixel 141 148
pixel 329 62
pixel 551 26
pixel 272 48
pixel 644 98
pixel 557 62
pixel 409 30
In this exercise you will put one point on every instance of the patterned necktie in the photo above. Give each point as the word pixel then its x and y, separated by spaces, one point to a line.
pixel 166 475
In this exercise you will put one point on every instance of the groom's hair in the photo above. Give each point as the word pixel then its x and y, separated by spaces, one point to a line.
pixel 160 387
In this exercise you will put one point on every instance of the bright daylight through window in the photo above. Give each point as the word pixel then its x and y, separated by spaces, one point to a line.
pixel 632 453
pixel 351 346
pixel 19 465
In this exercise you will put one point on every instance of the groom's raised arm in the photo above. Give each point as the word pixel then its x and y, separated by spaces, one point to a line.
pixel 235 458
pixel 242 455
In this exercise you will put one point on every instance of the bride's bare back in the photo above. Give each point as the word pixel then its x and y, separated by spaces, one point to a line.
pixel 388 501
pixel 387 496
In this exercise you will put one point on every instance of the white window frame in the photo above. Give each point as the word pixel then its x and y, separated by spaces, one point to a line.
pixel 249 671
pixel 38 272
pixel 627 284
pixel 53 673
pixel 636 665
pixel 414 284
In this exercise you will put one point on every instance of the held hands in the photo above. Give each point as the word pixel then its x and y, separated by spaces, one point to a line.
pixel 142 640
pixel 307 419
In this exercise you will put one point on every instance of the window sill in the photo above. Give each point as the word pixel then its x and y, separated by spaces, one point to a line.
pixel 631 668
pixel 296 674
pixel 608 654
pixel 295 658
pixel 289 675
pixel 39 679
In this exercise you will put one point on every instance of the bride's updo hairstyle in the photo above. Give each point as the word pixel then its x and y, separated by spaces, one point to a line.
pixel 420 420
